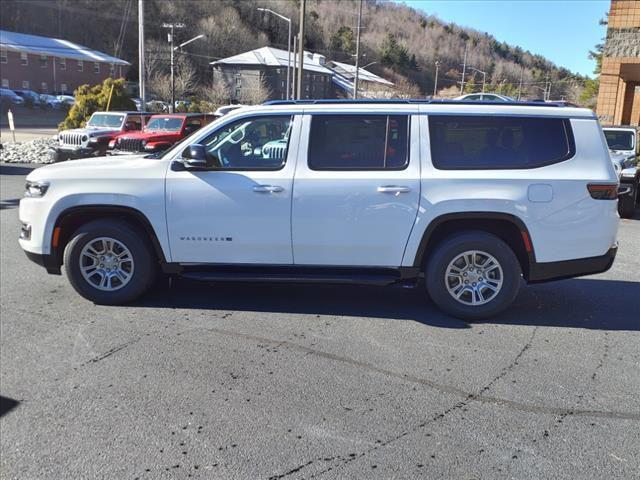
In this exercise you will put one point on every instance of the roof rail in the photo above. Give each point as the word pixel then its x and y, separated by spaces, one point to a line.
pixel 404 101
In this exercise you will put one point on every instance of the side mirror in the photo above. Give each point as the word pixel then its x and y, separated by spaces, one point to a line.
pixel 197 157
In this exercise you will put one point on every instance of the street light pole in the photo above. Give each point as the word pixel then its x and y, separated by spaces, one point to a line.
pixel 303 7
pixel 435 83
pixel 484 76
pixel 288 20
pixel 172 27
pixel 141 69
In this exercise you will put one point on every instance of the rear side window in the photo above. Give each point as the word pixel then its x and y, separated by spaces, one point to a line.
pixel 480 142
pixel 359 142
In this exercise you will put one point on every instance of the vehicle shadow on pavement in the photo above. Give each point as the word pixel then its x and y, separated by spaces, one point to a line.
pixel 7 404
pixel 15 170
pixel 11 203
pixel 576 303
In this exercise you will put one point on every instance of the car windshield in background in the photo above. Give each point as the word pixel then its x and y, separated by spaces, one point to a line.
pixel 114 121
pixel 166 124
pixel 618 140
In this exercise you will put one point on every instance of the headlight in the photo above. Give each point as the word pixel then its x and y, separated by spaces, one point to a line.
pixel 36 189
pixel 84 138
pixel 628 173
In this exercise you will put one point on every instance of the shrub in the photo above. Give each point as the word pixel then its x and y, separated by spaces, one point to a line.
pixel 90 99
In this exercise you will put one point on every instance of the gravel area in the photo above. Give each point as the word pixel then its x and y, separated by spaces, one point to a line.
pixel 32 151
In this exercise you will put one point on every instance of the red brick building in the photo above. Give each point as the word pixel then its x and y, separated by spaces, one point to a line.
pixel 51 65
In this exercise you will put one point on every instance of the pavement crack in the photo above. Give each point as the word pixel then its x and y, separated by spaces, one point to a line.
pixel 292 471
pixel 110 352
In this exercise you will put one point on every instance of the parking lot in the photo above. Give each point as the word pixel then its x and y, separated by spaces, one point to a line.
pixel 300 381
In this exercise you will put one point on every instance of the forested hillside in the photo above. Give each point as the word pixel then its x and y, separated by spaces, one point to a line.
pixel 404 43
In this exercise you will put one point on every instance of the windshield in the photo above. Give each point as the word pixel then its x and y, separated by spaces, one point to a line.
pixel 166 124
pixel 619 139
pixel 104 120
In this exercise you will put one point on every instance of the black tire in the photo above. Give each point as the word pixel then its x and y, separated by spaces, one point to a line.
pixel 446 251
pixel 627 203
pixel 145 265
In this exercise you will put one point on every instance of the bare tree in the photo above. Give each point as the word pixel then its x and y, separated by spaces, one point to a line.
pixel 254 91
pixel 186 81
pixel 216 93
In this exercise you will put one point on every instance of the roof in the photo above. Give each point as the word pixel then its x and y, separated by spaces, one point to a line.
pixel 272 57
pixel 349 72
pixel 55 47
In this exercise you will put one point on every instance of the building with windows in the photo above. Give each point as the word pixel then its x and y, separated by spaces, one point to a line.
pixel 52 65
pixel 262 71
pixel 370 85
pixel 619 93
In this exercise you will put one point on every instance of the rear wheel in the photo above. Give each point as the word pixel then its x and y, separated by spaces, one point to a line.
pixel 108 262
pixel 627 203
pixel 473 275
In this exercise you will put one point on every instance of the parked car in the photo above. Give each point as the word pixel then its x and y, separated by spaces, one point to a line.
pixel 157 106
pixel 485 97
pixel 94 138
pixel 67 100
pixel 50 102
pixel 9 98
pixel 623 144
pixel 160 133
pixel 341 192
pixel 29 96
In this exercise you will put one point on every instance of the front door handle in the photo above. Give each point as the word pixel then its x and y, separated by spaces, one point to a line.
pixel 397 189
pixel 267 189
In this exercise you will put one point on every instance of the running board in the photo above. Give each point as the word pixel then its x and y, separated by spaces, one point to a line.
pixel 287 274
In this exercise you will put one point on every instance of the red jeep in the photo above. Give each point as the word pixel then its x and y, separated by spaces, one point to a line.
pixel 160 133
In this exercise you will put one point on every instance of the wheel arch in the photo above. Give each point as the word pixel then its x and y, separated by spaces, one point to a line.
pixel 72 218
pixel 509 228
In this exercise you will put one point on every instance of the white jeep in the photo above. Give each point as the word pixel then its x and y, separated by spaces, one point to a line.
pixel 472 197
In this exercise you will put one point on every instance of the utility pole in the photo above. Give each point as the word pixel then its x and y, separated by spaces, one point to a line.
pixel 520 85
pixel 141 69
pixel 547 91
pixel 303 6
pixel 172 27
pixel 355 82
pixel 293 68
pixel 435 83
pixel 464 68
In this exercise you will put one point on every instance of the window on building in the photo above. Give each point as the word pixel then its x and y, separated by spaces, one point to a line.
pixel 63 87
pixel 238 81
pixel 237 93
pixel 96 67
pixel 112 69
pixel 80 66
pixel 44 61
pixel 43 87
pixel 25 84
pixel 257 143
pixel 482 142
pixel 63 63
pixel 5 83
pixel 3 56
pixel 359 142
pixel 24 59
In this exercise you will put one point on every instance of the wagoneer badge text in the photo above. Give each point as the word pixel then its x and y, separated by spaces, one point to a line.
pixel 207 239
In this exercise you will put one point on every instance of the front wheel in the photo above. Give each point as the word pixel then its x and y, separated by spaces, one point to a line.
pixel 108 262
pixel 473 275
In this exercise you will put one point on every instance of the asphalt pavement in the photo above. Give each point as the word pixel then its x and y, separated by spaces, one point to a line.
pixel 258 381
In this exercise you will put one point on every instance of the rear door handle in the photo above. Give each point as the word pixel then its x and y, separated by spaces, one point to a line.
pixel 393 189
pixel 267 189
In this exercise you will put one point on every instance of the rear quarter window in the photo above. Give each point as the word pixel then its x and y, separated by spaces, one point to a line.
pixel 488 142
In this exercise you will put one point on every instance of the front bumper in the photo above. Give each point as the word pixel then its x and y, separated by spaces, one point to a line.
pixel 49 262
pixel 548 271
pixel 76 152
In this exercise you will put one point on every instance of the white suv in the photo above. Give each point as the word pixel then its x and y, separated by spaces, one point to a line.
pixel 471 197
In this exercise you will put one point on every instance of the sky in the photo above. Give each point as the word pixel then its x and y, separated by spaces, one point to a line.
pixel 561 30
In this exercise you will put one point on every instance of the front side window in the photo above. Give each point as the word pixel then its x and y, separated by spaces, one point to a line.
pixel 482 142
pixel 359 142
pixel 257 143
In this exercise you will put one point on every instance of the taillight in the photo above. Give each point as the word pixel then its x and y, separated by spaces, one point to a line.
pixel 603 191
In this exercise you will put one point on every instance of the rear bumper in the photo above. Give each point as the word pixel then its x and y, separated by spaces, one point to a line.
pixel 548 271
